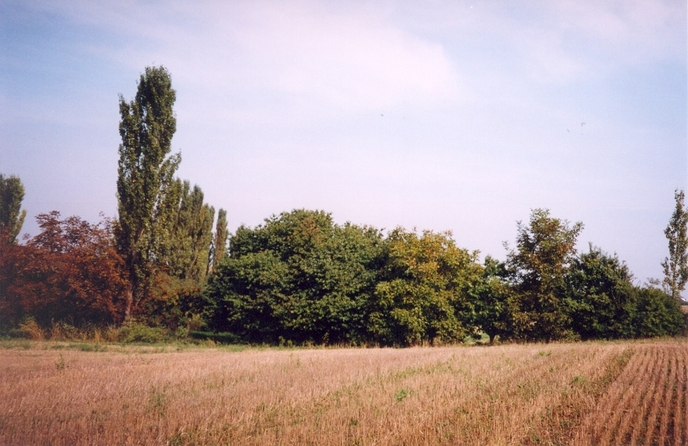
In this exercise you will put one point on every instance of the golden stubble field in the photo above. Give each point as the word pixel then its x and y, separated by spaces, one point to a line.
pixel 586 393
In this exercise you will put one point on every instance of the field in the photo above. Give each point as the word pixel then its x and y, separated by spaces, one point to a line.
pixel 584 393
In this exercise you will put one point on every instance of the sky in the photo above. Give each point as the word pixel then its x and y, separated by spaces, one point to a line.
pixel 438 115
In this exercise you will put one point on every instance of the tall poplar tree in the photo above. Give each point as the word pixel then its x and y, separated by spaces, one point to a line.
pixel 220 239
pixel 676 265
pixel 11 214
pixel 145 173
pixel 188 254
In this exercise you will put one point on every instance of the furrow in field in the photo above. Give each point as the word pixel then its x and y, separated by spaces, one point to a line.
pixel 681 411
pixel 669 401
pixel 658 397
pixel 628 428
pixel 467 400
pixel 634 424
pixel 618 401
pixel 674 426
pixel 601 424
pixel 516 406
pixel 563 398
pixel 564 416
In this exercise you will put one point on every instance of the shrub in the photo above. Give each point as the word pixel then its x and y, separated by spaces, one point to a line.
pixel 658 314
pixel 30 330
pixel 137 332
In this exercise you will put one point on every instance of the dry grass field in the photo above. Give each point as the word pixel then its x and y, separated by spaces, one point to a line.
pixel 586 393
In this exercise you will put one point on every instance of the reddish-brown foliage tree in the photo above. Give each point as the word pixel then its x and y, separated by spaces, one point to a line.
pixel 10 308
pixel 69 272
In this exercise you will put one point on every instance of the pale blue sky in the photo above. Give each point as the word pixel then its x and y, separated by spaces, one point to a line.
pixel 442 115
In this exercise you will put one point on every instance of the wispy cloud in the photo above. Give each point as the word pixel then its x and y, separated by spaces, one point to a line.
pixel 280 103
pixel 568 41
pixel 349 59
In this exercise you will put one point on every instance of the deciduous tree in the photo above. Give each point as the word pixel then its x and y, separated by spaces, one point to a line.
pixel 188 247
pixel 658 314
pixel 145 173
pixel 676 265
pixel 11 214
pixel 69 272
pixel 493 301
pixel 601 298
pixel 544 251
pixel 219 239
pixel 423 294
pixel 298 277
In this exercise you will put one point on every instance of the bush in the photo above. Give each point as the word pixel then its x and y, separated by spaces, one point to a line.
pixel 659 314
pixel 30 329
pixel 137 332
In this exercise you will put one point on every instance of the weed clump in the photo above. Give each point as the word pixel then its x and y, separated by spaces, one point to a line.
pixel 137 332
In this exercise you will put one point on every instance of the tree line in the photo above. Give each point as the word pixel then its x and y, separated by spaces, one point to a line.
pixel 167 261
pixel 300 277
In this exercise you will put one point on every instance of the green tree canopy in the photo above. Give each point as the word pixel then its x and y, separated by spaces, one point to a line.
pixel 145 173
pixel 424 288
pixel 298 277
pixel 544 251
pixel 658 314
pixel 493 301
pixel 187 242
pixel 602 300
pixel 220 238
pixel 11 214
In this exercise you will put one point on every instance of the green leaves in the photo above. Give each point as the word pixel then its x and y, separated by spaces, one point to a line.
pixel 676 265
pixel 11 214
pixel 658 314
pixel 558 294
pixel 303 278
pixel 219 247
pixel 299 276
pixel 493 300
pixel 545 250
pixel 145 175
pixel 186 242
pixel 423 291
pixel 601 298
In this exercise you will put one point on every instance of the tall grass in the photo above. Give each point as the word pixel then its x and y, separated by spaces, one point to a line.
pixel 515 394
pixel 129 332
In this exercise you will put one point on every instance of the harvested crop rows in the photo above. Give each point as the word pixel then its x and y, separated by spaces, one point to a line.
pixel 646 404
pixel 588 393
